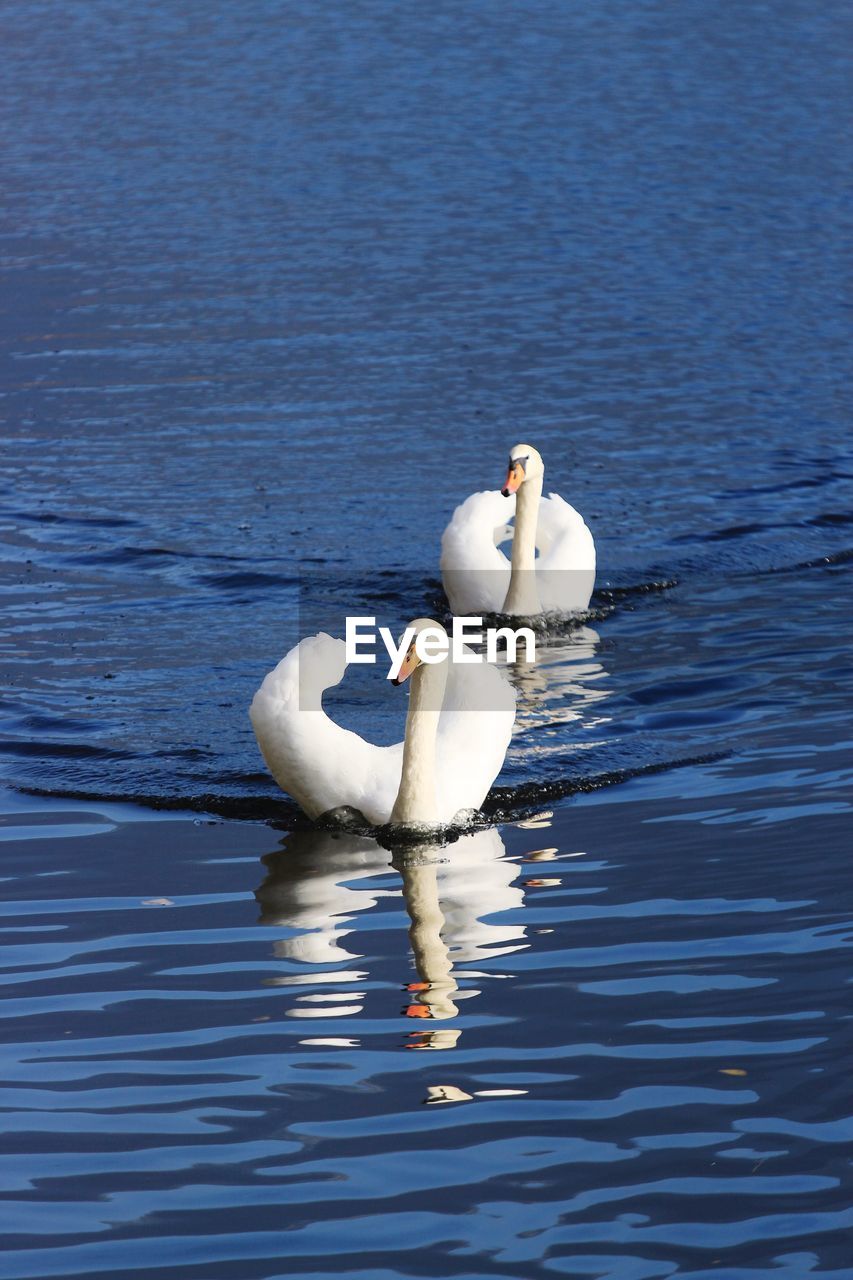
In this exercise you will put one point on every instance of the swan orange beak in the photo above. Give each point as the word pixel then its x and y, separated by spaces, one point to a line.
pixel 514 477
pixel 407 666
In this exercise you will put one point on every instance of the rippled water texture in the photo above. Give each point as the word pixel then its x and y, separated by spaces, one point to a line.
pixel 282 284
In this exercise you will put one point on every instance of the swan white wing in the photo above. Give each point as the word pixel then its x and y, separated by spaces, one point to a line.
pixel 322 765
pixel 565 570
pixel 474 731
pixel 475 571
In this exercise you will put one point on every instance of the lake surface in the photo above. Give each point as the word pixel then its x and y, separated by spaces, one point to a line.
pixel 282 285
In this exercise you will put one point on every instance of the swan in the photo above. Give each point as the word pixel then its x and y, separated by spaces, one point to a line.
pixel 458 728
pixel 477 576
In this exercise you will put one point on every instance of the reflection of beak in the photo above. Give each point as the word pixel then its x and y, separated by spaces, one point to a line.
pixel 418 1011
pixel 410 661
pixel 514 478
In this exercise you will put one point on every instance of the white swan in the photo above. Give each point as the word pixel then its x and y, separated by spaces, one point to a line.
pixel 477 576
pixel 458 728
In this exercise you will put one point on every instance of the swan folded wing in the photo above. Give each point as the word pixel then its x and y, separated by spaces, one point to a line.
pixel 565 571
pixel 475 571
pixel 474 732
pixel 320 764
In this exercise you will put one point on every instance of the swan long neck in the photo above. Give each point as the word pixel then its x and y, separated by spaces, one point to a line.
pixel 417 800
pixel 522 596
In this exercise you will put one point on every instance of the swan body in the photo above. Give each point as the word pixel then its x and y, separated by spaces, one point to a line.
pixel 479 578
pixel 458 728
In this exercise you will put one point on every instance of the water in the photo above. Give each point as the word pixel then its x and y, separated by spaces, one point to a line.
pixel 283 284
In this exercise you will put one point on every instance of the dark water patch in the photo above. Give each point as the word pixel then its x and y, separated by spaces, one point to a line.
pixel 804 482
pixel 836 560
pixel 45 723
pixel 505 804
pixel 278 811
pixel 55 517
pixel 827 520
pixel 49 750
pixel 734 531
pixel 674 689
pixel 128 555
pixel 831 519
pixel 761 559
pixel 708 718
pixel 248 580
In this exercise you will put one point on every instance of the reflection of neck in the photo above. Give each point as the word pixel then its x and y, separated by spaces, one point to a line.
pixel 522 596
pixel 416 799
pixel 432 959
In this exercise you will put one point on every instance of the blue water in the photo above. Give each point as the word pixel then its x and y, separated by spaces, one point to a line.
pixel 282 285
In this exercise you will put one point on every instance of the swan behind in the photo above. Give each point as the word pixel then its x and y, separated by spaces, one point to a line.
pixel 478 578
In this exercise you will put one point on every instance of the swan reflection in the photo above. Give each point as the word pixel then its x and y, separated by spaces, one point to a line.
pixel 565 685
pixel 313 887
pixel 322 885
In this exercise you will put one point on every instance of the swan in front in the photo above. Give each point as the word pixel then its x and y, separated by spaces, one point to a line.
pixel 458 727
pixel 479 579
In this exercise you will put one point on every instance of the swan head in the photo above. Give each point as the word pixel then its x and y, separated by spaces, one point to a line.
pixel 412 658
pixel 525 463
